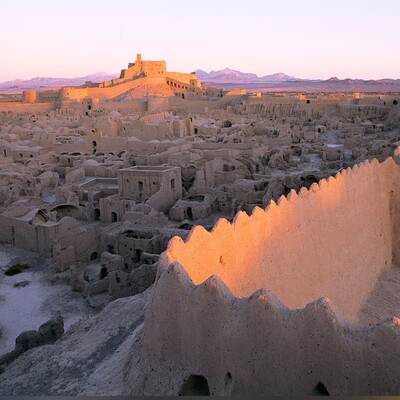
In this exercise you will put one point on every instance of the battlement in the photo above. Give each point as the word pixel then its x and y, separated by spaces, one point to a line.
pixel 284 290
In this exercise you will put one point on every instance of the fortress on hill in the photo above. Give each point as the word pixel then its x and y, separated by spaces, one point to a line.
pixel 149 74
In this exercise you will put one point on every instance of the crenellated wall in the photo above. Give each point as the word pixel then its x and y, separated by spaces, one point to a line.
pixel 315 243
pixel 271 303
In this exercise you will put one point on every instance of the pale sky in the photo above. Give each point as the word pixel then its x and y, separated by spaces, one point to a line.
pixel 303 38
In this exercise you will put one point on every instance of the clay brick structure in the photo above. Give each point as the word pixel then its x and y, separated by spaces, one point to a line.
pixel 159 186
pixel 148 74
pixel 282 302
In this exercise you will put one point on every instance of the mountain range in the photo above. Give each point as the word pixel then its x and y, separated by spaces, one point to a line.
pixel 49 83
pixel 228 75
pixel 227 78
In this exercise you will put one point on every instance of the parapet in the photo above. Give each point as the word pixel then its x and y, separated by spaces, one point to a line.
pixel 275 303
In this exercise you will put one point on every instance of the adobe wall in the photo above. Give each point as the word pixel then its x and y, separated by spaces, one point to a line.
pixel 181 77
pixel 315 243
pixel 27 107
pixel 105 93
pixel 332 241
pixel 132 105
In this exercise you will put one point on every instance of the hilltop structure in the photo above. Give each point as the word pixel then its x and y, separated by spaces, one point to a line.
pixel 142 79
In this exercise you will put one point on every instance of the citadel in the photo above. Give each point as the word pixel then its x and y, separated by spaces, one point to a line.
pixel 227 243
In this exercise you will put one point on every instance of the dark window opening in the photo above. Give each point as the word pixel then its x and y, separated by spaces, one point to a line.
pixel 140 186
pixel 196 131
pixel 195 385
pixel 114 217
pixel 172 183
pixel 320 390
pixel 308 101
pixel 183 96
pixel 94 256
pixel 96 214
pixel 110 248
pixel 190 213
pixel 89 107
pixel 395 102
pixel 138 256
pixel 103 273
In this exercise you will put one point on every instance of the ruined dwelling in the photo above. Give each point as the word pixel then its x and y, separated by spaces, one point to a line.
pixel 293 204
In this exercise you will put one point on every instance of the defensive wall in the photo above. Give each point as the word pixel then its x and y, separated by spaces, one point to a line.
pixel 271 303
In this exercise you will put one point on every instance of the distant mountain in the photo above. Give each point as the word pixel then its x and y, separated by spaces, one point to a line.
pixel 227 78
pixel 228 75
pixel 349 81
pixel 49 83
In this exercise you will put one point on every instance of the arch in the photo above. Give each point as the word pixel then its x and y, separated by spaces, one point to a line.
pixel 320 390
pixel 195 385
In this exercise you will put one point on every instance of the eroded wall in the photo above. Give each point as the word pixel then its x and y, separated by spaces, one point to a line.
pixel 322 242
pixel 214 310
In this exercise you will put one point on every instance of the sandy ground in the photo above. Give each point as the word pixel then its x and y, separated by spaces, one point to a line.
pixel 28 307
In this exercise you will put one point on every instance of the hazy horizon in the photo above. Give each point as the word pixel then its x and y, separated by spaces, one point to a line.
pixel 311 40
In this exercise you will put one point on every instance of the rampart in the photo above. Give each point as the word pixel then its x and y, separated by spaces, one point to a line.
pixel 272 303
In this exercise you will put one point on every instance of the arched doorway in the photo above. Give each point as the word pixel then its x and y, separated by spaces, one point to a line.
pixel 320 390
pixel 195 385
